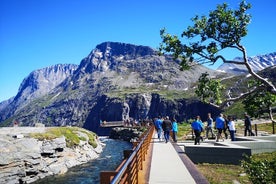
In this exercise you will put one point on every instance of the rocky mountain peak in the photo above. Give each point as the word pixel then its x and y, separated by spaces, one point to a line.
pixel 40 82
pixel 107 55
pixel 37 84
pixel 123 49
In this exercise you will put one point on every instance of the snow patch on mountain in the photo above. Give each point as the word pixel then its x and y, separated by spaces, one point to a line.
pixel 257 63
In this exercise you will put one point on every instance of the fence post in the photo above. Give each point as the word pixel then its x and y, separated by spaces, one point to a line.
pixel 256 130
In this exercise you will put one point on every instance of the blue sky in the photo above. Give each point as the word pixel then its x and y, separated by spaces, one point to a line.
pixel 38 33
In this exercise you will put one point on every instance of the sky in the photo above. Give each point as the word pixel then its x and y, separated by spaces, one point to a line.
pixel 35 34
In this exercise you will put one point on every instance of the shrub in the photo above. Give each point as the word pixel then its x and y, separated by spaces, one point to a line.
pixel 261 171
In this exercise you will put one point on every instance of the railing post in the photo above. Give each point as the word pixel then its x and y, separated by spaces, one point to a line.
pixel 106 176
pixel 127 153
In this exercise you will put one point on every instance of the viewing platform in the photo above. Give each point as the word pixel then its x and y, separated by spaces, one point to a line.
pixel 112 124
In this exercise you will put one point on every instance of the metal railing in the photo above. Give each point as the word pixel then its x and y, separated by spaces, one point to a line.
pixel 128 171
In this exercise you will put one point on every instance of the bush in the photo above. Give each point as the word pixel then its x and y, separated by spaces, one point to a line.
pixel 261 171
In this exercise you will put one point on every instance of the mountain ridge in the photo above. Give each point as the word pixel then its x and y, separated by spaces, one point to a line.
pixel 37 84
pixel 257 63
pixel 113 77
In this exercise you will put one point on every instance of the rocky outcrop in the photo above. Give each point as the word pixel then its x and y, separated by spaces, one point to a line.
pixel 126 134
pixel 24 159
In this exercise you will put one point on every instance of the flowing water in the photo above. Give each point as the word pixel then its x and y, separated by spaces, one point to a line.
pixel 89 173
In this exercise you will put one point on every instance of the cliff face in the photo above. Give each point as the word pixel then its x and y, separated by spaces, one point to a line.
pixel 143 106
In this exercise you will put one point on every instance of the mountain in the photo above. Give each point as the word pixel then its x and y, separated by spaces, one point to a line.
pixel 37 84
pixel 257 63
pixel 115 81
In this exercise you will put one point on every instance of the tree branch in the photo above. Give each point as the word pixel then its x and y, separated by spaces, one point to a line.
pixel 242 96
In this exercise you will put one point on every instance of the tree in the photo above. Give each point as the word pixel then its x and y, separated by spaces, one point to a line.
pixel 209 90
pixel 204 41
pixel 259 103
pixel 222 30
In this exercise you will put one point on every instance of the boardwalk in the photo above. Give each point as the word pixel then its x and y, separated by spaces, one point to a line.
pixel 170 165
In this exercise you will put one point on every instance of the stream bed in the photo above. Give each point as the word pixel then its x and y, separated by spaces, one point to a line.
pixel 89 173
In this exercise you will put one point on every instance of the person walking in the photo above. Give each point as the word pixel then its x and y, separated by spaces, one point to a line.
pixel 174 130
pixel 232 129
pixel 167 126
pixel 225 129
pixel 209 127
pixel 247 125
pixel 220 126
pixel 158 126
pixel 197 127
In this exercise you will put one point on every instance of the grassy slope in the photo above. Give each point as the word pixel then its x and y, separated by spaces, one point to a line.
pixel 70 133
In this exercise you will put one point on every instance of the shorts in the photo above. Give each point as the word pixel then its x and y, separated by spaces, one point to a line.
pixel 220 130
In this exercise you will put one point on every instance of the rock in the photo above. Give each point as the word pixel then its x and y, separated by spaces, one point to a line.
pixel 26 160
pixel 126 134
pixel 242 174
pixel 39 125
pixel 19 136
pixel 50 147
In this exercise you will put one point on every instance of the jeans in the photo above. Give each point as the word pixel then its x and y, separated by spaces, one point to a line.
pixel 232 134
pixel 159 132
pixel 197 136
pixel 209 129
pixel 247 128
pixel 167 135
pixel 174 136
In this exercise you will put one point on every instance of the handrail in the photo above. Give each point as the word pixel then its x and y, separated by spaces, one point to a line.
pixel 129 170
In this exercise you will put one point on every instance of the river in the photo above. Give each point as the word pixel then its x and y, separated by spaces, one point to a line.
pixel 89 173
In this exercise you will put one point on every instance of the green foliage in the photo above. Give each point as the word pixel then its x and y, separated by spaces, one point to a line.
pixel 184 129
pixel 70 134
pixel 92 137
pixel 259 103
pixel 222 29
pixel 122 93
pixel 209 89
pixel 261 170
pixel 236 109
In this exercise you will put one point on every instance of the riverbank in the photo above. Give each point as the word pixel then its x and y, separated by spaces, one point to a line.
pixel 24 159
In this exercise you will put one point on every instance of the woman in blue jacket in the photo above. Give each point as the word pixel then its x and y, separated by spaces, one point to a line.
pixel 174 130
